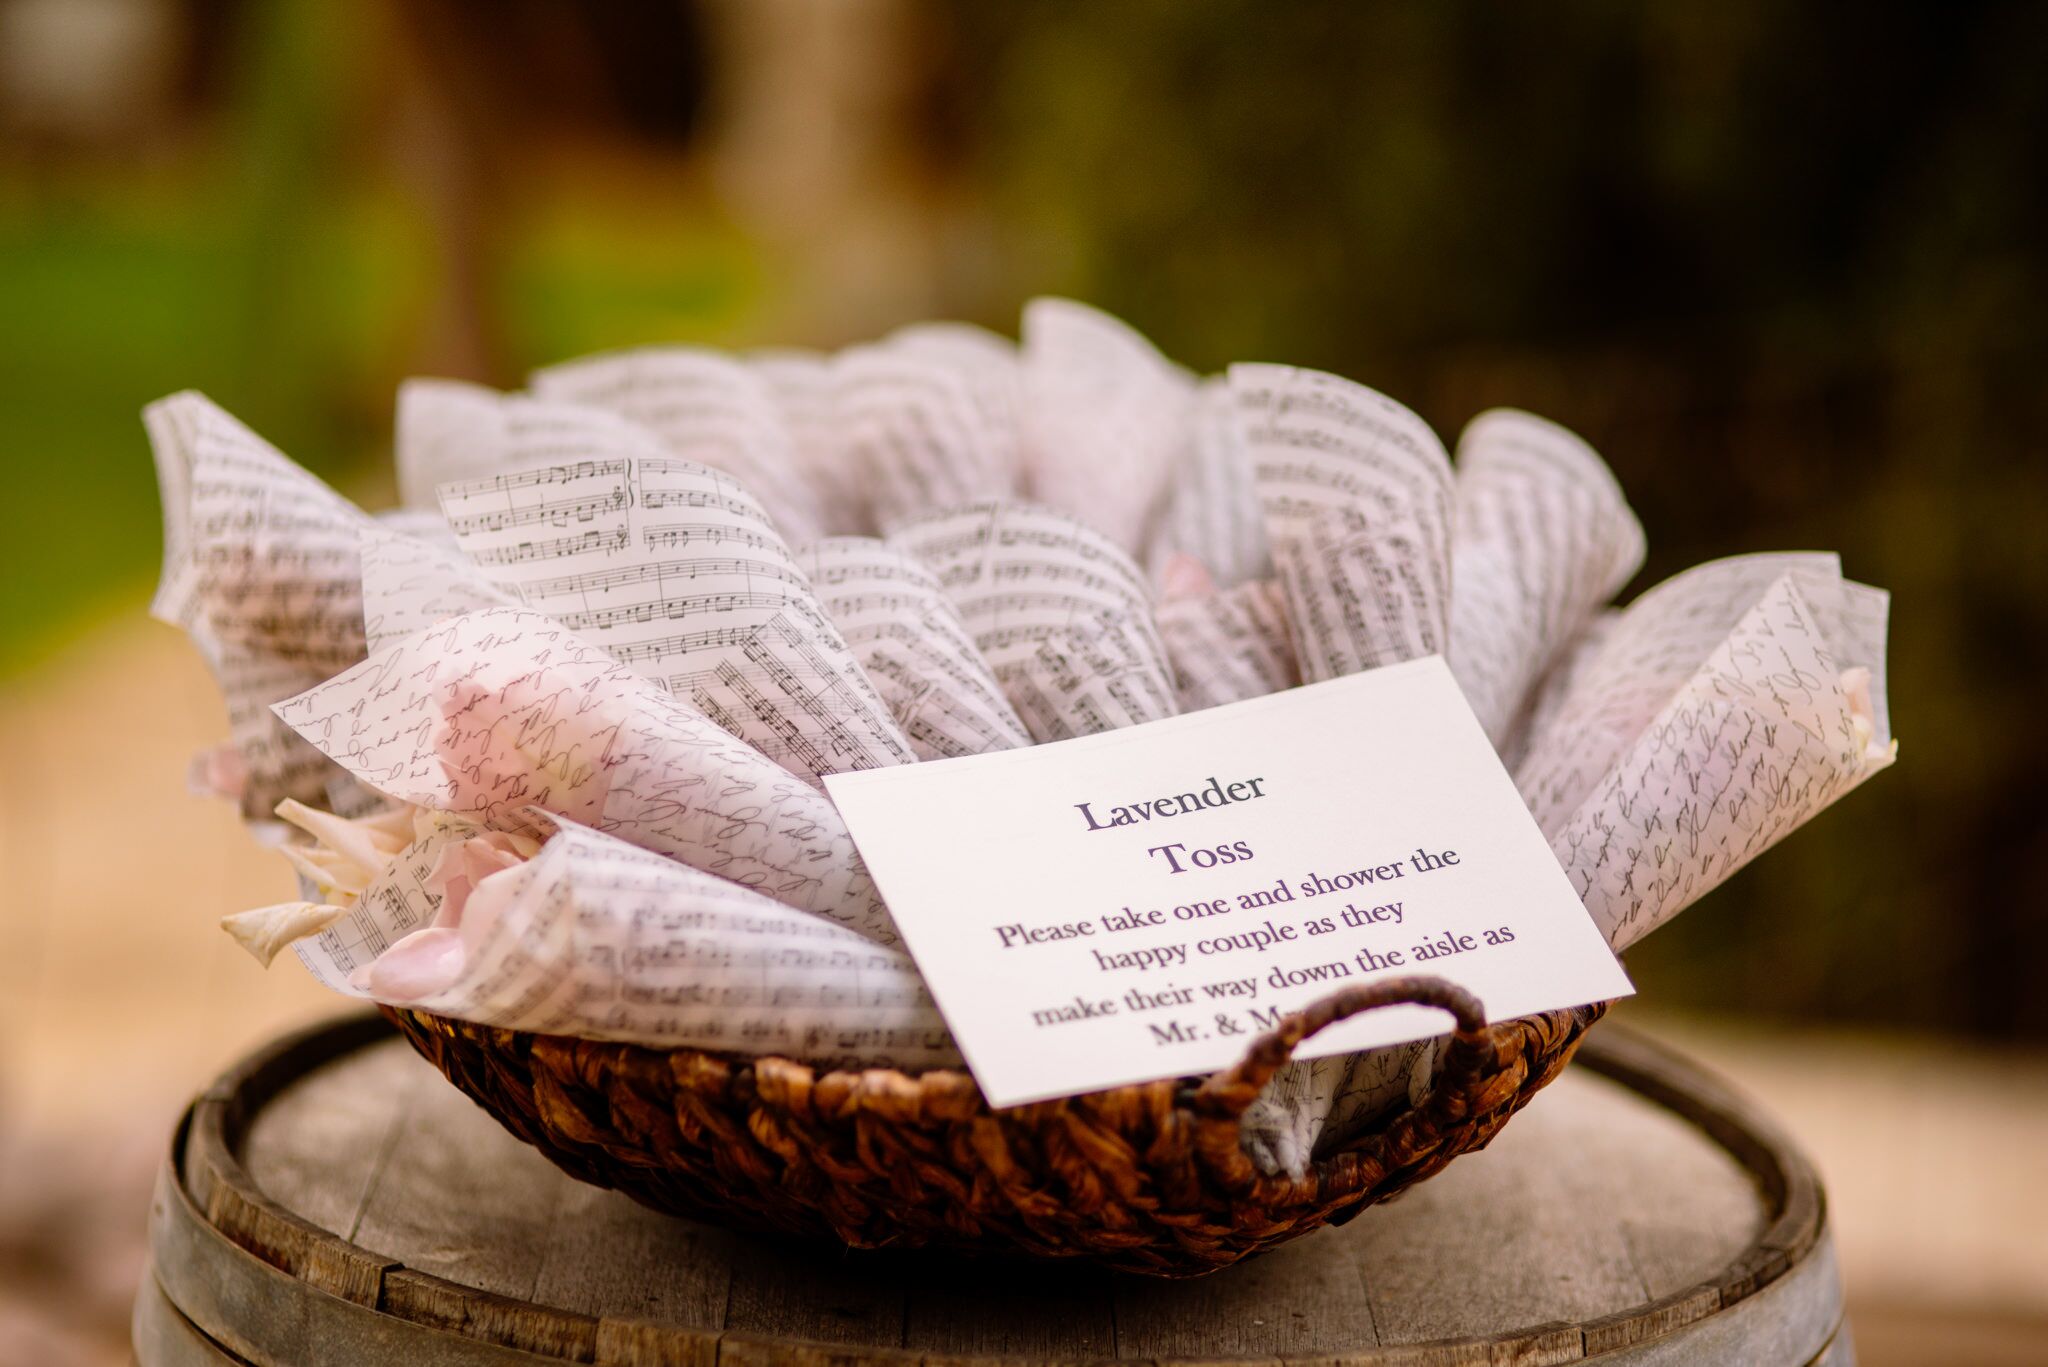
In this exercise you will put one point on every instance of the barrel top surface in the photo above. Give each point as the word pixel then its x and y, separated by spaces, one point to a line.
pixel 1632 1196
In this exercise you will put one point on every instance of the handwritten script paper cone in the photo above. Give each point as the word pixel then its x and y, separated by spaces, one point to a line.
pixel 261 572
pixel 496 712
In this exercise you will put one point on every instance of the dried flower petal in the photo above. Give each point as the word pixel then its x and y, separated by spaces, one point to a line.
pixel 1183 576
pixel 461 868
pixel 264 931
pixel 415 968
pixel 218 772
pixel 363 843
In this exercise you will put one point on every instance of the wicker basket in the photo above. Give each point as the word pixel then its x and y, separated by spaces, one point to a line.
pixel 1148 1179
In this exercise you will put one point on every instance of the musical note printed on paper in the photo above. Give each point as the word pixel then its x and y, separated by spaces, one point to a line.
pixel 1229 645
pixel 1357 497
pixel 1543 538
pixel 799 386
pixel 704 408
pixel 1061 614
pixel 921 431
pixel 675 569
pixel 912 645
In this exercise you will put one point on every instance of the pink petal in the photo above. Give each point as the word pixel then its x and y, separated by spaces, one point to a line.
pixel 1183 576
pixel 461 867
pixel 218 772
pixel 487 902
pixel 418 966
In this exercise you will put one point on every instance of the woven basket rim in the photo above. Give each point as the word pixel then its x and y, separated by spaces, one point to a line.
pixel 1217 1103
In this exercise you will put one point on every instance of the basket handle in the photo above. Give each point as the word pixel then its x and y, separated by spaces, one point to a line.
pixel 1229 1094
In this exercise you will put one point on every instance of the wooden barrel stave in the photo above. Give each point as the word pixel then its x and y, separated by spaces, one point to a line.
pixel 165 1338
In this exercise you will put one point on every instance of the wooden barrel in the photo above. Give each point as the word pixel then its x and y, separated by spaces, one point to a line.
pixel 334 1201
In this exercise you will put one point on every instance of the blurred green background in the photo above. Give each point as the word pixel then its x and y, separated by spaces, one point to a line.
pixel 1786 267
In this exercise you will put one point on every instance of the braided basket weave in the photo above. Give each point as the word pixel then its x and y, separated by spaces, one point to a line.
pixel 1147 1178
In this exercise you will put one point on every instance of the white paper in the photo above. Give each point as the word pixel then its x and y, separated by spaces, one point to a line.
pixel 1649 653
pixel 1382 772
pixel 1539 708
pixel 925 425
pixel 1106 418
pixel 913 647
pixel 1357 498
pixel 800 386
pixel 452 429
pixel 990 367
pixel 1543 538
pixel 1356 494
pixel 706 408
pixel 421 524
pixel 1229 645
pixel 1062 615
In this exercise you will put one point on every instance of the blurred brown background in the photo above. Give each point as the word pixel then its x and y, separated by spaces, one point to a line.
pixel 1787 268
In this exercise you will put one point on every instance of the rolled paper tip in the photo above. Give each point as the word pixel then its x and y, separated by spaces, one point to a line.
pixel 218 772
pixel 1183 576
pixel 266 930
pixel 1276 1149
pixel 415 968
